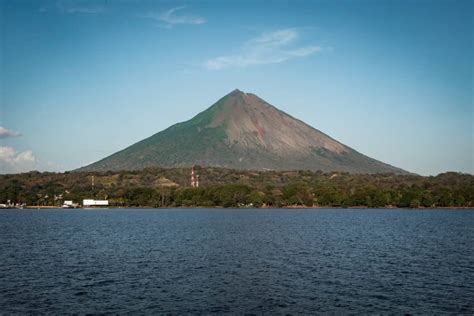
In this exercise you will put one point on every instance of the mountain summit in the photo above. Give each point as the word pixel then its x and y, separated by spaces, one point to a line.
pixel 242 131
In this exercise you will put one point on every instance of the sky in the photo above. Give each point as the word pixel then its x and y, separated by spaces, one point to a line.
pixel 80 80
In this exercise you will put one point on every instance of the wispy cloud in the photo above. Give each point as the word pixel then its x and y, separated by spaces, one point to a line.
pixel 5 133
pixel 268 48
pixel 84 10
pixel 73 7
pixel 174 17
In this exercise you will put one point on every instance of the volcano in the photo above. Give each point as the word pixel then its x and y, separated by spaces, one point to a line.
pixel 242 131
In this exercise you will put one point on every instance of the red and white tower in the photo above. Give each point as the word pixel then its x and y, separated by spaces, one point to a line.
pixel 194 178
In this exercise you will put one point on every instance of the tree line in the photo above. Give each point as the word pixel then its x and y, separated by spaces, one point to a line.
pixel 157 187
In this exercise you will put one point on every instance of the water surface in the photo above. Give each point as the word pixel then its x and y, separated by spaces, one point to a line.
pixel 238 261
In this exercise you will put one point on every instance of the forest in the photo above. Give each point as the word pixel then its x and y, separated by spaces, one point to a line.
pixel 219 187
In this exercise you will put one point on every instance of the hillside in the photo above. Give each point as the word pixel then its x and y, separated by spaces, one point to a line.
pixel 242 131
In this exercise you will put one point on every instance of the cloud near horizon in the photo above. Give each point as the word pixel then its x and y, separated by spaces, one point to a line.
pixel 12 161
pixel 173 17
pixel 268 48
pixel 6 133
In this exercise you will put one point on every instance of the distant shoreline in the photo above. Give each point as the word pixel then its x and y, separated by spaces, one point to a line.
pixel 243 208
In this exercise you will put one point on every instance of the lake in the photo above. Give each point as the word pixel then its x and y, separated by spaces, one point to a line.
pixel 237 261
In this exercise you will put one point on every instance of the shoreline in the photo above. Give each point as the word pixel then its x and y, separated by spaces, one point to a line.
pixel 32 207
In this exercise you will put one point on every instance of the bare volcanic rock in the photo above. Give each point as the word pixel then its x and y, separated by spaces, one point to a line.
pixel 242 131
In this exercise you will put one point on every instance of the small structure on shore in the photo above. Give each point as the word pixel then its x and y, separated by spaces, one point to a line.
pixel 91 203
pixel 10 204
pixel 70 204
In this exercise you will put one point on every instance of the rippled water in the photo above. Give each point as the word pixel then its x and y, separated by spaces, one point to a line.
pixel 239 261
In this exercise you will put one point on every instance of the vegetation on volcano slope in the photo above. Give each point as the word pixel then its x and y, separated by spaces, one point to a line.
pixel 157 187
pixel 241 131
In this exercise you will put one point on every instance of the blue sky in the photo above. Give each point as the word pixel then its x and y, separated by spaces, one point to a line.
pixel 81 80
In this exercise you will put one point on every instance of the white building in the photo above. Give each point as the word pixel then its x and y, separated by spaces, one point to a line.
pixel 89 202
pixel 70 204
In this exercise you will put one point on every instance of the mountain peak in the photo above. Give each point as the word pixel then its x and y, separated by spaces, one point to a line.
pixel 237 91
pixel 237 99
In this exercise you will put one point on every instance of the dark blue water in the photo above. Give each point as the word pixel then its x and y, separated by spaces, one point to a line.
pixel 238 261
